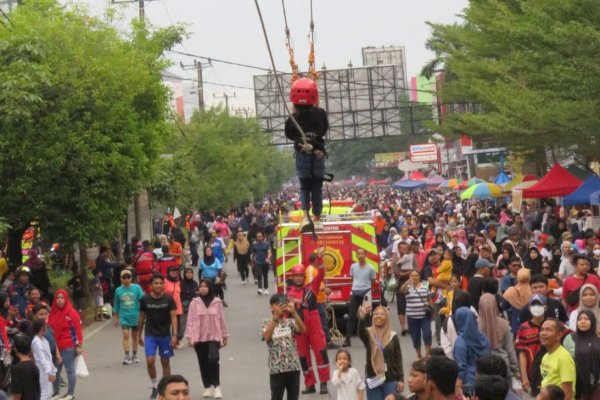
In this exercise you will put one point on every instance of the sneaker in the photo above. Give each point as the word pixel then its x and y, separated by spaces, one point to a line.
pixel 259 291
pixel 135 359
pixel 243 281
pixel 266 292
pixel 57 396
pixel 323 389
pixel 225 304
pixel 217 393
pixel 208 393
pixel 309 390
pixel 318 225
pixel 127 360
pixel 71 397
pixel 179 346
pixel 154 394
pixel 347 343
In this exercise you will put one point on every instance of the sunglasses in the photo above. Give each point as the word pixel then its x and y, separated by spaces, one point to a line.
pixel 125 276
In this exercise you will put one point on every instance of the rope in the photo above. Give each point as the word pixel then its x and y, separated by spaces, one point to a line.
pixel 305 145
pixel 335 332
pixel 312 71
pixel 288 44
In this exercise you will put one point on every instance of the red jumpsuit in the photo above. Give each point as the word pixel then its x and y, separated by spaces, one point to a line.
pixel 313 336
pixel 144 268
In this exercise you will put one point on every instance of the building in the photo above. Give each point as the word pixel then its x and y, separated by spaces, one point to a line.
pixel 392 55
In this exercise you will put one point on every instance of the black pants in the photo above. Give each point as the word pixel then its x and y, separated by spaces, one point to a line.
pixel 209 369
pixel 285 381
pixel 261 273
pixel 353 305
pixel 218 289
pixel 194 252
pixel 242 265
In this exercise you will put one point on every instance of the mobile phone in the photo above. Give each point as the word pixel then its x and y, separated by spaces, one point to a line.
pixel 367 299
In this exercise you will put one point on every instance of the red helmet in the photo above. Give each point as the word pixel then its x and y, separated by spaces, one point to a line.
pixel 297 269
pixel 304 92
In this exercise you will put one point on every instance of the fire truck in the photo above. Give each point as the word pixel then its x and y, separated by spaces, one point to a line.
pixel 344 233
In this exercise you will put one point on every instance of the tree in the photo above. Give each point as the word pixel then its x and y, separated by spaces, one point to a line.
pixel 82 113
pixel 530 67
pixel 221 162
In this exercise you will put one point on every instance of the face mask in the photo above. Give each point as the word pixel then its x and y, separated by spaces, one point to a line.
pixel 597 252
pixel 537 311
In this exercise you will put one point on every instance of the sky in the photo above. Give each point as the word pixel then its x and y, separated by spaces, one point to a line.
pixel 230 30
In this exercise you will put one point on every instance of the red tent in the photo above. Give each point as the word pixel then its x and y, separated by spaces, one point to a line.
pixel 558 182
pixel 417 176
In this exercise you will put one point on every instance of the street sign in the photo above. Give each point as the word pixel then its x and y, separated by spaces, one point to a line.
pixel 424 153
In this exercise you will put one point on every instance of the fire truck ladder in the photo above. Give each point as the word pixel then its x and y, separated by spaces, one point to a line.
pixel 291 248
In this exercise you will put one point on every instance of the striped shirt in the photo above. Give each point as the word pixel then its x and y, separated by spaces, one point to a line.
pixel 416 301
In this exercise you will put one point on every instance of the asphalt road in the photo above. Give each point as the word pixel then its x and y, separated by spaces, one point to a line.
pixel 244 373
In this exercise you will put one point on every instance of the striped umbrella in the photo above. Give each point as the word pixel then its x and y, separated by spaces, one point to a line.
pixel 482 191
pixel 450 184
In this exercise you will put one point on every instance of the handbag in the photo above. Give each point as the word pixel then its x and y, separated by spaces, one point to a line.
pixel 429 309
pixel 373 383
pixel 391 285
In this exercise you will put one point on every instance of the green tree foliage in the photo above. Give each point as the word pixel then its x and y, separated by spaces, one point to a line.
pixel 82 114
pixel 530 67
pixel 219 162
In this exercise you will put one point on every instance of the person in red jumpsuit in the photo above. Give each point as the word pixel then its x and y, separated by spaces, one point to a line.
pixel 305 299
pixel 144 267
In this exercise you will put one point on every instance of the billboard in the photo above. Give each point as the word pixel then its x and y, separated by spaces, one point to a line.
pixel 389 160
pixel 360 102
pixel 424 153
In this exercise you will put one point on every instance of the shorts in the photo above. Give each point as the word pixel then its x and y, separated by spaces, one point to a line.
pixel 162 343
pixel 133 328
pixel 401 303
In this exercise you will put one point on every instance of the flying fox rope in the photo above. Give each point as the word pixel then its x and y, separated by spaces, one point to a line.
pixel 305 145
pixel 288 44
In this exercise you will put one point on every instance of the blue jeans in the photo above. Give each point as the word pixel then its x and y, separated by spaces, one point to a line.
pixel 381 392
pixel 68 356
pixel 310 172
pixel 415 327
pixel 323 316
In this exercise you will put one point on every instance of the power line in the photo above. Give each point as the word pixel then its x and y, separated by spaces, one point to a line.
pixel 224 61
pixel 207 83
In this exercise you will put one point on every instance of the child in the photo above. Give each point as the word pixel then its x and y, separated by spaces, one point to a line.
pixel 448 294
pixel 43 358
pixel 347 380
pixel 444 272
pixel 310 149
pixel 98 294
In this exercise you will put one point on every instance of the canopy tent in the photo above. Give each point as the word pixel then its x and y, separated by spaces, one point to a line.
pixel 417 176
pixel 585 194
pixel 578 172
pixel 482 191
pixel 519 178
pixel 409 185
pixel 501 179
pixel 558 182
pixel 434 180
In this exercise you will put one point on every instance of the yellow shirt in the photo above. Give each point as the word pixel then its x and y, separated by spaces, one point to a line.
pixel 558 367
pixel 3 266
pixel 310 274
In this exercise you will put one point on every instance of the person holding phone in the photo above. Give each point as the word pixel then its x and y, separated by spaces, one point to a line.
pixel 418 312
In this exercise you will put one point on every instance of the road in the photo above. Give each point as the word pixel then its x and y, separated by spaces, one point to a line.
pixel 244 373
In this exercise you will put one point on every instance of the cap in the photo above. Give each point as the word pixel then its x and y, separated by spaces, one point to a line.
pixel 538 298
pixel 482 263
pixel 126 271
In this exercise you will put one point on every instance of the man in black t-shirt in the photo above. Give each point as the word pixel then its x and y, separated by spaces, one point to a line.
pixel 158 315
pixel 475 288
pixel 25 375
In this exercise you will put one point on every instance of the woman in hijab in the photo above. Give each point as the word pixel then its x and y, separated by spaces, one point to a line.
pixel 206 331
pixel 189 290
pixel 241 254
pixel 533 261
pixel 211 270
pixel 64 321
pixel 383 369
pixel 460 299
pixel 584 346
pixel 589 301
pixel 470 346
pixel 516 297
pixel 497 331
pixel 458 261
pixel 554 282
pixel 173 289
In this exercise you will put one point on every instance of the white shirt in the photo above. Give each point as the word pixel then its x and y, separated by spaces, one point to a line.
pixel 566 268
pixel 348 385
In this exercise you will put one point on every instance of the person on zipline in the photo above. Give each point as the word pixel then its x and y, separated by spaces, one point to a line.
pixel 309 148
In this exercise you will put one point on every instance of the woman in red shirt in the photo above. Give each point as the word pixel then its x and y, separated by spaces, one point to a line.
pixel 65 322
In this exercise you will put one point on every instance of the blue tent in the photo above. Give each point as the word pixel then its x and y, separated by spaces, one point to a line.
pixel 584 194
pixel 409 184
pixel 501 179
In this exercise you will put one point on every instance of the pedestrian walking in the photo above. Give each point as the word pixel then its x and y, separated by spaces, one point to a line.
pixel 418 312
pixel 43 358
pixel 173 289
pixel 261 258
pixel 207 332
pixel 158 320
pixel 127 313
pixel 241 254
pixel 65 322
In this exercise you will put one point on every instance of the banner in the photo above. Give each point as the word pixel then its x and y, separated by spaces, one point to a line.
pixel 389 160
pixel 424 152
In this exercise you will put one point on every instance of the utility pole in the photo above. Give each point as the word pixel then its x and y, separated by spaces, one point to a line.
pixel 226 97
pixel 247 111
pixel 200 84
pixel 141 6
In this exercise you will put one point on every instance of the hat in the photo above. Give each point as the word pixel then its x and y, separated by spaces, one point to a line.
pixel 538 298
pixel 483 263
pixel 126 271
